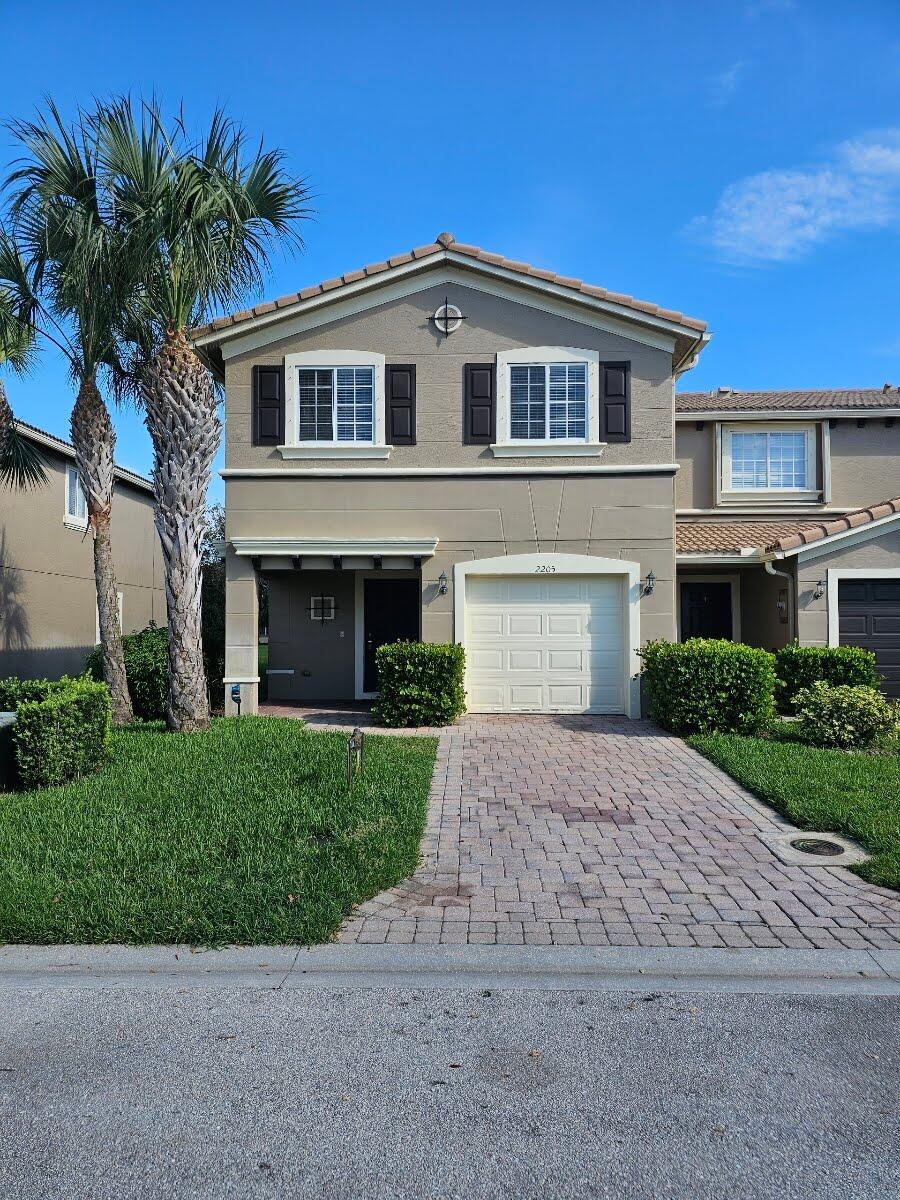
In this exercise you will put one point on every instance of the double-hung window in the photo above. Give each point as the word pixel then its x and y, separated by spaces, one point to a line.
pixel 76 501
pixel 769 460
pixel 336 404
pixel 548 401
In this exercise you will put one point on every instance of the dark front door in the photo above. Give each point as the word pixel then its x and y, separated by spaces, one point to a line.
pixel 869 616
pixel 391 610
pixel 706 610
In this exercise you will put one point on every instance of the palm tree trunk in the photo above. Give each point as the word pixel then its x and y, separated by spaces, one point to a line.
pixel 94 440
pixel 183 419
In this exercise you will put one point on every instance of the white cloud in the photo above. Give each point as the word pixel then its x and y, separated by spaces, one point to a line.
pixel 723 85
pixel 777 216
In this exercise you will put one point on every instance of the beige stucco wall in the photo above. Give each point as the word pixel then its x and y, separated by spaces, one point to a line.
pixel 812 615
pixel 695 455
pixel 864 464
pixel 48 602
pixel 618 516
pixel 402 331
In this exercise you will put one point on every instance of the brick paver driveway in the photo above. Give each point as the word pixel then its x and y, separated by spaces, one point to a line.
pixel 607 832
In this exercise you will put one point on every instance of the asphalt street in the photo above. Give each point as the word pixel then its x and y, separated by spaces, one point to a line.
pixel 394 1092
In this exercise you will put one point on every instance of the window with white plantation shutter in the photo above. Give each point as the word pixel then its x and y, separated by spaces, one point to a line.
pixel 548 401
pixel 336 404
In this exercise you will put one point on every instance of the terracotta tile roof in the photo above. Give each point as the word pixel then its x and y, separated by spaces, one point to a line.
pixel 442 243
pixel 728 400
pixel 823 529
pixel 715 536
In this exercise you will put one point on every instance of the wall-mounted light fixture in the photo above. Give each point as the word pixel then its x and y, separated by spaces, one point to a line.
pixel 819 589
pixel 647 589
pixel 443 583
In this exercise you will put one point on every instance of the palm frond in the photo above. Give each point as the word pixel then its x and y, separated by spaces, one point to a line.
pixel 21 463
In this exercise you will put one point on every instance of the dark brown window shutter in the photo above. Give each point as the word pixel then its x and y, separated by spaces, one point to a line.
pixel 400 402
pixel 480 407
pixel 268 406
pixel 615 401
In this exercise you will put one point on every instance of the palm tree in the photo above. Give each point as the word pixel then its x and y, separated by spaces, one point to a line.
pixel 20 462
pixel 209 215
pixel 78 276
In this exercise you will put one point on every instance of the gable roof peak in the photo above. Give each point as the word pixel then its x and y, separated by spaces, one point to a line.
pixel 445 239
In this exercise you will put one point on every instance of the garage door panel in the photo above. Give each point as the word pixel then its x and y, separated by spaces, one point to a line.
pixel 565 660
pixel 486 623
pixel 525 624
pixel 525 660
pixel 551 644
pixel 561 624
pixel 885 624
pixel 487 658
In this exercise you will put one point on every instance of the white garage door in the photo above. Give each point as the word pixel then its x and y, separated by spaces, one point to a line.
pixel 550 643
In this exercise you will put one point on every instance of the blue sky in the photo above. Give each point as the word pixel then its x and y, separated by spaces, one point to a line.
pixel 739 161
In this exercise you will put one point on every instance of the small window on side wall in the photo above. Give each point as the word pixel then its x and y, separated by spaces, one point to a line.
pixel 76 501
pixel 321 608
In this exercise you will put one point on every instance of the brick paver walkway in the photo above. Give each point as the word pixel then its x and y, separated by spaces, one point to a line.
pixel 607 832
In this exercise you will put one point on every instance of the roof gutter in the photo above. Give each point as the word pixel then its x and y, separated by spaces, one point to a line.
pixel 690 356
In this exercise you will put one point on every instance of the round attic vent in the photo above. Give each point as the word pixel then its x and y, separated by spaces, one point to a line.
pixel 448 318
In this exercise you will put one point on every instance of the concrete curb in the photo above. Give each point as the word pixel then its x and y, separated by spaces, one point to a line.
pixel 550 968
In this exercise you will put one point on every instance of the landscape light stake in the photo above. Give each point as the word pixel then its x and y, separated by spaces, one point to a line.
pixel 355 744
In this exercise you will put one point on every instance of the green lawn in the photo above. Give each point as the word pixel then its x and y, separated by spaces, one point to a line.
pixel 854 794
pixel 242 834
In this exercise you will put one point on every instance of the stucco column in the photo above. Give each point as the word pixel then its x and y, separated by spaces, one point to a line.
pixel 241 633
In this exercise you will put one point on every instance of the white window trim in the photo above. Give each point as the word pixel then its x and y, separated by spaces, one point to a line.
pixel 507 447
pixel 565 564
pixel 727 493
pixel 834 575
pixel 734 580
pixel 68 520
pixel 97 619
pixel 293 448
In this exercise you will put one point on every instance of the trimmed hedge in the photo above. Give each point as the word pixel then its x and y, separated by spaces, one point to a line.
pixel 798 667
pixel 709 686
pixel 63 735
pixel 843 717
pixel 14 692
pixel 146 667
pixel 420 683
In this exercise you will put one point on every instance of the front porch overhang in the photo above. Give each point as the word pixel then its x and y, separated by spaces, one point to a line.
pixel 333 547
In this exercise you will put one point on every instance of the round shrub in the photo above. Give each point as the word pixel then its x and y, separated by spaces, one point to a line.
pixel 709 685
pixel 147 667
pixel 798 667
pixel 843 717
pixel 420 683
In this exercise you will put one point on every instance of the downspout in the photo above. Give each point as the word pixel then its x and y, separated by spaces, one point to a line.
pixel 790 595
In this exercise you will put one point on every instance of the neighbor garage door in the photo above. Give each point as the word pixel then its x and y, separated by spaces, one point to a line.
pixel 552 643
pixel 869 615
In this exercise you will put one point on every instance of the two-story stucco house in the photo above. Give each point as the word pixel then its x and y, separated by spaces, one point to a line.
pixel 453 446
pixel 48 598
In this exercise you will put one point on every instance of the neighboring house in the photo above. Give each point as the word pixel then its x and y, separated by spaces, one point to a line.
pixel 48 602
pixel 788 520
pixel 453 446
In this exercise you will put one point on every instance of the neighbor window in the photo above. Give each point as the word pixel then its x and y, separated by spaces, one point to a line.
pixel 336 404
pixel 548 401
pixel 759 460
pixel 76 502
